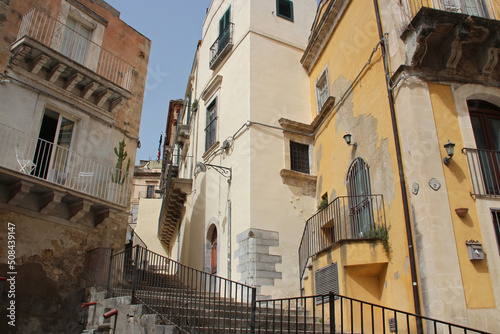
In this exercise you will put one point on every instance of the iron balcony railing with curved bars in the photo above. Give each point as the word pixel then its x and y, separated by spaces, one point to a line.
pixel 345 218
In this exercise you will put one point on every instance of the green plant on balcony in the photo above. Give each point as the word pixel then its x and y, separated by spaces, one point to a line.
pixel 324 202
pixel 120 175
pixel 194 106
pixel 381 233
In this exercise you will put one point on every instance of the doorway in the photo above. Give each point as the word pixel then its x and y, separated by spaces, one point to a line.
pixel 213 242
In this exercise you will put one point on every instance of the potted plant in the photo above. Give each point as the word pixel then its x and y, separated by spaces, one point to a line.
pixel 119 176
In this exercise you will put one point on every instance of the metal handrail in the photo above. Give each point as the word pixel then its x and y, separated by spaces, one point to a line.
pixel 484 167
pixel 335 313
pixel 58 36
pixel 487 9
pixel 345 218
pixel 53 163
pixel 192 299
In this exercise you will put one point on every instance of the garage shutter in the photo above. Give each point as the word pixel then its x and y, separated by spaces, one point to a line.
pixel 327 279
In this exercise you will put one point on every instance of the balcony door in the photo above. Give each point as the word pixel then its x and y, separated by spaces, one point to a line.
pixel 52 150
pixel 224 33
pixel 485 119
pixel 76 41
pixel 359 192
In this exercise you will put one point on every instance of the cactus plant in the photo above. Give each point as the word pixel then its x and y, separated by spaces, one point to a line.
pixel 120 175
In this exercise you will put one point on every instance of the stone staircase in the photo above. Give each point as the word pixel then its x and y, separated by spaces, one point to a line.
pixel 163 299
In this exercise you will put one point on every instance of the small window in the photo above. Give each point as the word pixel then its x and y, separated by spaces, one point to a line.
pixel 327 280
pixel 211 127
pixel 284 8
pixel 496 225
pixel 322 90
pixel 151 191
pixel 299 157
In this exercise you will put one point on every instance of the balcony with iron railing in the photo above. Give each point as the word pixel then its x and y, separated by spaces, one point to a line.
pixel 452 40
pixel 221 47
pixel 345 218
pixel 47 172
pixel 174 197
pixel 484 167
pixel 50 49
pixel 487 8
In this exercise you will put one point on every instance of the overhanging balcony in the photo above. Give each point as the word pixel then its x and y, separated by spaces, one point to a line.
pixel 484 167
pixel 46 178
pixel 453 40
pixel 345 218
pixel 221 47
pixel 175 193
pixel 48 49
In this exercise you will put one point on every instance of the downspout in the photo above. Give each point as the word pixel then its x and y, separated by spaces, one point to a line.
pixel 406 207
pixel 229 239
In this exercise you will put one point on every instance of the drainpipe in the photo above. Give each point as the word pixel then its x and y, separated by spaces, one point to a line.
pixel 404 194
pixel 229 239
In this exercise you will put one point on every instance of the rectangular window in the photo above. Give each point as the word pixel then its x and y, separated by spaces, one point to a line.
pixel 76 41
pixel 150 191
pixel 284 9
pixel 299 157
pixel 496 225
pixel 322 90
pixel 211 128
pixel 327 279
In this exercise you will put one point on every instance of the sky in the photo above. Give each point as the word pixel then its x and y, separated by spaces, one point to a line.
pixel 174 28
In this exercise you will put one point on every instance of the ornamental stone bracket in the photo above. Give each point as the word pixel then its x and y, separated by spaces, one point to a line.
pixel 297 179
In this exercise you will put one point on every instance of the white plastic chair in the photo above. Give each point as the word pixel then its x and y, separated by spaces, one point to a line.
pixel 85 178
pixel 26 165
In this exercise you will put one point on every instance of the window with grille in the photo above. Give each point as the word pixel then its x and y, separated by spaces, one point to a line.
pixel 284 9
pixel 299 157
pixel 327 279
pixel 150 191
pixel 496 225
pixel 322 91
pixel 211 128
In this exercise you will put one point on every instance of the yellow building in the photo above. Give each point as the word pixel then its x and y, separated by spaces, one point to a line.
pixel 401 222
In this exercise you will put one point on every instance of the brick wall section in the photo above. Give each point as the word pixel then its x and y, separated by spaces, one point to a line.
pixel 256 265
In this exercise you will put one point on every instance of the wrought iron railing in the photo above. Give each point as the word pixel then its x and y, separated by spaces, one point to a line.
pixel 339 314
pixel 42 159
pixel 345 218
pixel 221 45
pixel 202 303
pixel 482 8
pixel 58 36
pixel 484 167
pixel 192 299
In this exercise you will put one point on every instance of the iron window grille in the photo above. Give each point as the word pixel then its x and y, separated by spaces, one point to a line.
pixel 299 157
pixel 211 128
pixel 285 9
pixel 327 280
pixel 322 91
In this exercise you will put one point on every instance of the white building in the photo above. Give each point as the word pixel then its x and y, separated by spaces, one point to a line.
pixel 244 219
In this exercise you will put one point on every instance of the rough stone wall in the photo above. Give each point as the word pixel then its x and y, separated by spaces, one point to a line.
pixel 257 265
pixel 50 267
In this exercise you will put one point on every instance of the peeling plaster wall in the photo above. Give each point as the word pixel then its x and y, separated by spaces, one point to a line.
pixel 50 260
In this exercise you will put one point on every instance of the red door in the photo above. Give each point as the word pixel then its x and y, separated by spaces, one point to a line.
pixel 214 252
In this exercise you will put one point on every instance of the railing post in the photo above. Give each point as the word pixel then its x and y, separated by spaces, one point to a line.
pixel 134 276
pixel 109 271
pixel 254 308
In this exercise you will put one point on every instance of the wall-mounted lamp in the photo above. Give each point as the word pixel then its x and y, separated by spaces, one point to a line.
pixel 347 138
pixel 201 167
pixel 450 150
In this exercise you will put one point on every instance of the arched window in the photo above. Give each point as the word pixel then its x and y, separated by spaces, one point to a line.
pixel 485 119
pixel 359 192
pixel 213 241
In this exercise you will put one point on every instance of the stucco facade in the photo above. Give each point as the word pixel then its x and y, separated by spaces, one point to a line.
pixel 70 110
pixel 401 140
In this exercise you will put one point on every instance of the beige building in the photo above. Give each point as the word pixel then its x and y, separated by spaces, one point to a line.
pixel 71 92
pixel 234 215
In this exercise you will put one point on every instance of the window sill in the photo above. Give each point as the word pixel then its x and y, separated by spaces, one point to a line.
pixel 210 150
pixel 297 179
